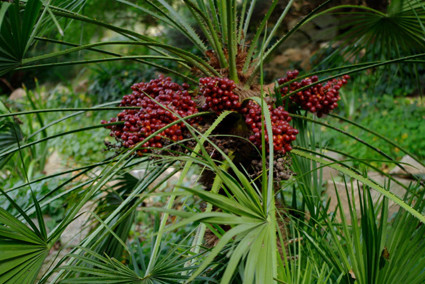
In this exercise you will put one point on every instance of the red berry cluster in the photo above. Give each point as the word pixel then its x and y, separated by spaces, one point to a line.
pixel 218 94
pixel 283 132
pixel 140 123
pixel 319 99
pixel 290 75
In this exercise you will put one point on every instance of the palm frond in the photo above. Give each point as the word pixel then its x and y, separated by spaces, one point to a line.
pixel 16 33
pixel 23 249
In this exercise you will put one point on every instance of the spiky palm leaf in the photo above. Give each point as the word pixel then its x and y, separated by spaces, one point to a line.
pixel 17 31
pixel 398 31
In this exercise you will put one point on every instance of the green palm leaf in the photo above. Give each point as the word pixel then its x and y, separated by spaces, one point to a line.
pixel 17 31
pixel 401 27
pixel 364 180
pixel 10 135
pixel 23 249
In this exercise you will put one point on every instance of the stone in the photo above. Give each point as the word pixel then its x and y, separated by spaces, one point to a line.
pixel 18 94
pixel 295 41
pixel 55 255
pixel 325 21
pixel 333 155
pixel 323 28
pixel 321 35
pixel 395 188
pixel 283 62
pixel 412 167
pixel 328 173
pixel 140 174
pixel 78 229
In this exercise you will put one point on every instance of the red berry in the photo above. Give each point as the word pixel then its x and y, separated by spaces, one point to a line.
pixel 218 93
pixel 283 133
pixel 319 99
pixel 158 100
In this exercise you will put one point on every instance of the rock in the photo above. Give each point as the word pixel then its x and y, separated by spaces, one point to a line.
pixel 334 155
pixel 412 167
pixel 78 229
pixel 291 55
pixel 326 34
pixel 328 173
pixel 332 187
pixel 55 255
pixel 295 41
pixel 323 28
pixel 382 180
pixel 395 188
pixel 17 94
pixel 140 174
pixel 325 21
pixel 296 54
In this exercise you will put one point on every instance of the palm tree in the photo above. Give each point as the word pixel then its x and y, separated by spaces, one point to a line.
pixel 259 236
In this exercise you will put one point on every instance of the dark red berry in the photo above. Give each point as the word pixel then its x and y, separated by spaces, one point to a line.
pixel 283 133
pixel 219 95
pixel 319 99
pixel 159 101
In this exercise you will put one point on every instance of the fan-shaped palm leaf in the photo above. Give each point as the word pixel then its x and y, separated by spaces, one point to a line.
pixel 23 249
pixel 17 32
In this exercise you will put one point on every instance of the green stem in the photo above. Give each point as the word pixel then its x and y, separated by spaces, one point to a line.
pixel 277 24
pixel 102 60
pixel 160 67
pixel 273 228
pixel 247 21
pixel 378 135
pixel 164 220
pixel 241 20
pixel 178 23
pixel 254 41
pixel 231 33
pixel 364 181
pixel 214 15
pixel 345 133
pixel 72 15
pixel 106 174
pixel 223 18
pixel 3 154
pixel 65 110
pixel 193 59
